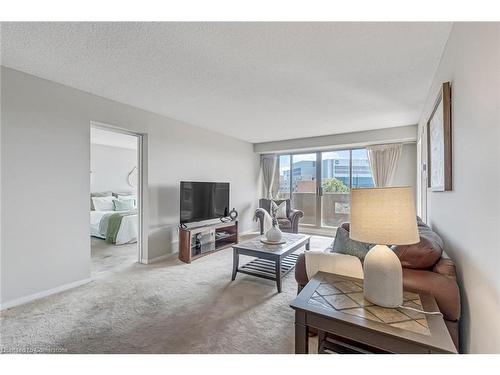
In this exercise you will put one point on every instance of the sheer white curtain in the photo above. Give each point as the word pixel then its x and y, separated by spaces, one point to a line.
pixel 269 165
pixel 383 161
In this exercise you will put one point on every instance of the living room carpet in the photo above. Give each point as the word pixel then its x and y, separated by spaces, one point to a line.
pixel 167 307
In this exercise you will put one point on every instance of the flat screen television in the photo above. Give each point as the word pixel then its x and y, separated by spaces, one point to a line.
pixel 203 201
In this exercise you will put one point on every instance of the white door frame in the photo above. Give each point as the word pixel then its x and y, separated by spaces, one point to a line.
pixel 422 174
pixel 142 185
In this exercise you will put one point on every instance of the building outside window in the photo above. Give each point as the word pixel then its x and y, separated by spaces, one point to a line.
pixel 339 171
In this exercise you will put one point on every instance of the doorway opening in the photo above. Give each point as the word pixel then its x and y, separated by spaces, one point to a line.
pixel 115 199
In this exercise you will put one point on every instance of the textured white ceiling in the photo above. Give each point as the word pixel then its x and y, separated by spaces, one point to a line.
pixel 254 81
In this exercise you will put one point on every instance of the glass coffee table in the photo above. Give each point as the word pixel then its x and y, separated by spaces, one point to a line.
pixel 346 322
pixel 272 261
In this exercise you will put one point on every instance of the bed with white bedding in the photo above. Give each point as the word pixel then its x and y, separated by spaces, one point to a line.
pixel 127 232
pixel 113 217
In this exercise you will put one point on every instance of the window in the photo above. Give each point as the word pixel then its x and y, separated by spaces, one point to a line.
pixel 284 177
pixel 361 172
pixel 304 185
pixel 335 187
pixel 329 174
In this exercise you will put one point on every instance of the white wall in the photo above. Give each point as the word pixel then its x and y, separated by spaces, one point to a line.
pixel 344 140
pixel 45 160
pixel 110 167
pixel 468 218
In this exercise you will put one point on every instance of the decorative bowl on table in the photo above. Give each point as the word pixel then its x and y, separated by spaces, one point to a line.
pixel 267 242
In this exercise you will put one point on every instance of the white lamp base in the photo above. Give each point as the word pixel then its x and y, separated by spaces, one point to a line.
pixel 383 277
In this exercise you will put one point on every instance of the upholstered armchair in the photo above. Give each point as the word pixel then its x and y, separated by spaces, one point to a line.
pixel 290 224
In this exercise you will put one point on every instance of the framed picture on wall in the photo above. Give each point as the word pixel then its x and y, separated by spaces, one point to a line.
pixel 439 152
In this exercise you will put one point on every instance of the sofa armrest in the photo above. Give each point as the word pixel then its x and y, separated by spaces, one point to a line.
pixel 300 272
pixel 340 264
pixel 294 217
pixel 445 267
pixel 443 288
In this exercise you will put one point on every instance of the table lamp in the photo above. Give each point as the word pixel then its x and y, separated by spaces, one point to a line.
pixel 383 216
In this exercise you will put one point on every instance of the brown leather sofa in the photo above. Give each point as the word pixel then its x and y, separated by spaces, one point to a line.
pixel 424 270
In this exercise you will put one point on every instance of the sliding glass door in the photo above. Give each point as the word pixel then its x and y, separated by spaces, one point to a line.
pixel 335 187
pixel 304 186
pixel 319 183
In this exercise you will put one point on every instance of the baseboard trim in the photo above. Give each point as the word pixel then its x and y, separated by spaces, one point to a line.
pixel 156 259
pixel 45 293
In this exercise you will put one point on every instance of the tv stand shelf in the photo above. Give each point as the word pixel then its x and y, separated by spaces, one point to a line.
pixel 200 241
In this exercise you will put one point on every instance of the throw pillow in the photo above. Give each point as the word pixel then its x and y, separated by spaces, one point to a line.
pixel 123 204
pixel 344 245
pixel 279 209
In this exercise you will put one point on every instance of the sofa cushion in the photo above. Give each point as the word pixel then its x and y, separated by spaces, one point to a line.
pixel 424 254
pixel 344 245
pixel 284 223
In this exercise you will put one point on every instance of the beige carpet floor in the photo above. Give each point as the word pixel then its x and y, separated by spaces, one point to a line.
pixel 108 258
pixel 167 307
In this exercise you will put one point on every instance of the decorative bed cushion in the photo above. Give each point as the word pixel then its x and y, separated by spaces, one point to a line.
pixel 424 254
pixel 103 203
pixel 123 204
pixel 344 245
pixel 128 198
pixel 125 197
pixel 123 194
pixel 102 194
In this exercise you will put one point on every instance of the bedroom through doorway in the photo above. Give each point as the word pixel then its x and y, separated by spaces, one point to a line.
pixel 114 199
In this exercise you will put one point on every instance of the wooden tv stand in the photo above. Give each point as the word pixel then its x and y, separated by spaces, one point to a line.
pixel 200 241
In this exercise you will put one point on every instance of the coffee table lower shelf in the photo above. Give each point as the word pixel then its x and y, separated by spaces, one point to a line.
pixel 272 262
pixel 266 269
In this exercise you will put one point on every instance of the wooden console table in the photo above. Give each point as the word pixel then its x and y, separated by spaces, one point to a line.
pixel 200 241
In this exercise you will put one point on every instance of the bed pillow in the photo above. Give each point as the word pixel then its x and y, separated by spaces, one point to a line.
pixel 102 194
pixel 123 204
pixel 103 203
pixel 128 198
pixel 123 194
pixel 344 245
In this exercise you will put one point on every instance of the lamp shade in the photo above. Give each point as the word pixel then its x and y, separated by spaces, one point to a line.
pixel 384 216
